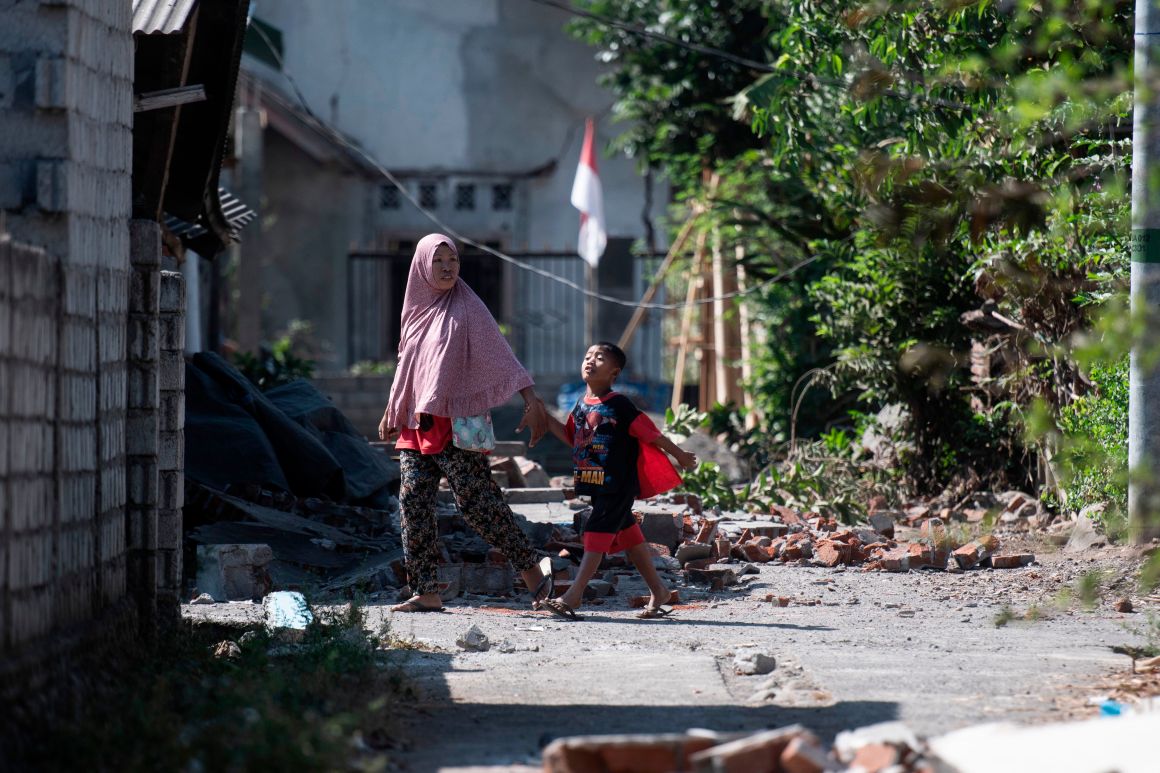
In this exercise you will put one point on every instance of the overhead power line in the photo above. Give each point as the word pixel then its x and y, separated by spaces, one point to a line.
pixel 450 231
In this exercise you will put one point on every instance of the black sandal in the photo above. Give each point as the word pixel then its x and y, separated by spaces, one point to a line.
pixel 560 609
pixel 546 587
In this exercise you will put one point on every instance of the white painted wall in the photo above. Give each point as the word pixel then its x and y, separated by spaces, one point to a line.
pixel 474 86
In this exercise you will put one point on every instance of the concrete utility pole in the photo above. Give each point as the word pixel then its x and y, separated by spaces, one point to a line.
pixel 1144 378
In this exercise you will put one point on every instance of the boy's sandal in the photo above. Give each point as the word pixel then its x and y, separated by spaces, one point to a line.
pixel 653 613
pixel 412 605
pixel 560 608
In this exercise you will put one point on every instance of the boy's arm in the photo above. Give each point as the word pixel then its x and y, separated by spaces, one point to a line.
pixel 557 428
pixel 684 458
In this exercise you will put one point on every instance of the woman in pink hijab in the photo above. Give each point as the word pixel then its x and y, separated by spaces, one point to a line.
pixel 453 362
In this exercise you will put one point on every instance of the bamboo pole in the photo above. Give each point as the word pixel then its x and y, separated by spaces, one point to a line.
pixel 695 281
pixel 746 344
pixel 677 247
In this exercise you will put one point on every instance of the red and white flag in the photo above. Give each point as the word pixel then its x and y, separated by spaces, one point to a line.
pixel 587 197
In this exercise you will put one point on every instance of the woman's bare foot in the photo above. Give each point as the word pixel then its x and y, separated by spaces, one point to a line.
pixel 424 602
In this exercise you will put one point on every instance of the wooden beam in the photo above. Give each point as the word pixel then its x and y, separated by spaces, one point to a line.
pixel 159 100
pixel 695 280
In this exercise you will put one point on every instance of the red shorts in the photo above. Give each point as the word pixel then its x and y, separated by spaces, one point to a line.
pixel 603 542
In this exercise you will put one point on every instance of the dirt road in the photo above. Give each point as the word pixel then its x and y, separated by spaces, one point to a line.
pixel 852 648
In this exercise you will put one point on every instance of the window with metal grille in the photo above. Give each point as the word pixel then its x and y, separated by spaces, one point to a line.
pixel 428 195
pixel 501 197
pixel 465 196
pixel 389 197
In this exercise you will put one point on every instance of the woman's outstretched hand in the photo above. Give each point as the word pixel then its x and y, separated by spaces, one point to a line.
pixel 535 418
pixel 385 432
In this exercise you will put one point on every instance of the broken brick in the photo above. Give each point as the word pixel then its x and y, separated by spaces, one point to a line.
pixel 722 547
pixel 623 753
pixel 804 755
pixel 829 553
pixel 875 757
pixel 1013 561
pixel 758 753
pixel 706 532
pixel 974 552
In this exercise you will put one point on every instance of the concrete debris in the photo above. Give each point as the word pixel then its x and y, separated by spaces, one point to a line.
pixel 234 572
pixel 474 640
pixel 1084 536
pixel 752 662
pixel 227 650
pixel 287 615
pixel 203 598
pixel 1126 744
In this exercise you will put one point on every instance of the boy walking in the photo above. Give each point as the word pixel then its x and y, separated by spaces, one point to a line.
pixel 616 459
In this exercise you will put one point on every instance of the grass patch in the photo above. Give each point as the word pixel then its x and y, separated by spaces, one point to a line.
pixel 327 702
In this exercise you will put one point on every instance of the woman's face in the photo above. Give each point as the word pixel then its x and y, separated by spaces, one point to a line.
pixel 444 267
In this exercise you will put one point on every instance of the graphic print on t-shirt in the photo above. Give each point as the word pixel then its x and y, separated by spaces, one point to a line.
pixel 590 451
pixel 603 452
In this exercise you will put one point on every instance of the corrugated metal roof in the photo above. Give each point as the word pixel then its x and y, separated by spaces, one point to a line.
pixel 160 16
pixel 237 214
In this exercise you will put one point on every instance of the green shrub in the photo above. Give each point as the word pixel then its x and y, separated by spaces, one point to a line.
pixel 1093 457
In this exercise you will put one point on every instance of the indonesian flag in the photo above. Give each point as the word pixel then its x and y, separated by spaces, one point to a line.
pixel 587 198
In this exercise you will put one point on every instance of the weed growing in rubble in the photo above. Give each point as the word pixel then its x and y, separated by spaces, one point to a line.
pixel 324 703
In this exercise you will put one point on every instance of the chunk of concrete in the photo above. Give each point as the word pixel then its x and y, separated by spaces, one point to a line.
pixel 234 572
pixel 659 525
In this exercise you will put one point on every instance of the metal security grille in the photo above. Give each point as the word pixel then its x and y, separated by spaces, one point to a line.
pixel 543 319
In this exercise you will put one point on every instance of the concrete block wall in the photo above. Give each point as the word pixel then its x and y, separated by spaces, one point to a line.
pixel 144 398
pixel 171 445
pixel 65 154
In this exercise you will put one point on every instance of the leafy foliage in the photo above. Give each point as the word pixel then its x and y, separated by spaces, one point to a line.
pixel 945 183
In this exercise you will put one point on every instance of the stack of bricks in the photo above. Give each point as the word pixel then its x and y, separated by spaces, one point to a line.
pixel 171 446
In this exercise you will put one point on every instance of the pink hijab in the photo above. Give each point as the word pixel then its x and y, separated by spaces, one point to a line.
pixel 453 361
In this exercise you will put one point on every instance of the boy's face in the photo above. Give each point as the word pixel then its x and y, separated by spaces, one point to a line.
pixel 599 369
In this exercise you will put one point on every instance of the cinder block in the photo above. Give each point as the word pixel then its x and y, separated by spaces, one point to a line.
pixel 142 532
pixel 34 336
pixel 142 489
pixel 172 411
pixel 142 338
pixel 77 448
pixel 79 397
pixel 52 83
pixel 79 346
pixel 29 560
pixel 52 186
pixel 144 290
pixel 112 535
pixel 234 572
pixel 32 445
pixel 33 273
pixel 169 529
pixel 144 243
pixel 143 393
pixel 114 388
pixel 78 498
pixel 172 371
pixel 113 481
pixel 171 450
pixel 141 438
pixel 172 332
pixel 172 299
pixel 31 615
pixel 112 338
pixel 75 550
pixel 172 494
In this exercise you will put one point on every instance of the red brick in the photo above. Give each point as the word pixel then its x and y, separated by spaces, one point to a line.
pixel 829 553
pixel 722 547
pixel 623 753
pixel 787 515
pixel 706 532
pixel 875 757
pixel 803 755
pixel 758 753
pixel 754 552
pixel 792 553
pixel 746 535
pixel 1012 561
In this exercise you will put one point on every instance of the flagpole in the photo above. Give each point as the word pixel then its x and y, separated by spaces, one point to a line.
pixel 589 305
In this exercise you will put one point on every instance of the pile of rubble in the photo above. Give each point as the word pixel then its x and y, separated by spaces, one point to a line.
pixel 889 746
pixel 1123 744
pixel 709 547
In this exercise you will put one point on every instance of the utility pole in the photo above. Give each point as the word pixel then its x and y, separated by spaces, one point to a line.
pixel 1144 375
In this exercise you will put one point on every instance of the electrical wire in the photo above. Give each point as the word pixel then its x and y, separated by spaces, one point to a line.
pixel 447 229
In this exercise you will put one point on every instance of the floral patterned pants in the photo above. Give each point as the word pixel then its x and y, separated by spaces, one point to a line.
pixel 479 499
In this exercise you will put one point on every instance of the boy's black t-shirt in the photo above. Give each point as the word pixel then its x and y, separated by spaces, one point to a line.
pixel 604 453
